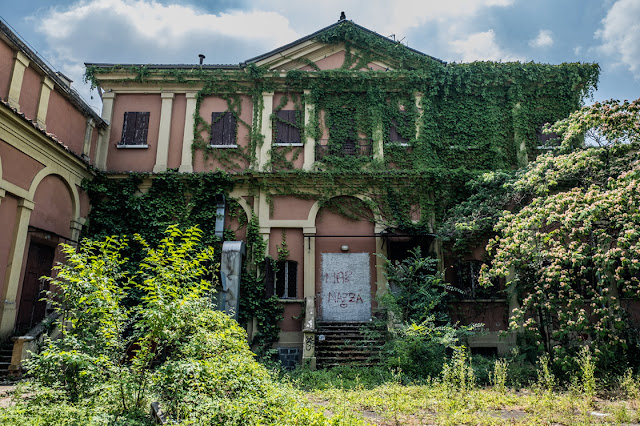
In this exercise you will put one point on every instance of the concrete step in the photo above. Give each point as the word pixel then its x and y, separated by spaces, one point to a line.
pixel 347 344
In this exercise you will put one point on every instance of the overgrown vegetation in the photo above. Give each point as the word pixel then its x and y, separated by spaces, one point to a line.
pixel 571 254
pixel 457 120
pixel 112 360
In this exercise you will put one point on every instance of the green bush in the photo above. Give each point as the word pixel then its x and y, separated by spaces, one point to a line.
pixel 112 359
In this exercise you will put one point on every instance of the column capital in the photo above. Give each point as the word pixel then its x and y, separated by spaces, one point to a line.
pixel 26 204
pixel 22 58
pixel 48 82
pixel 167 95
pixel 191 95
pixel 108 95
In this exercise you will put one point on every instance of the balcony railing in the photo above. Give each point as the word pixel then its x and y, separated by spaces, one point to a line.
pixel 349 148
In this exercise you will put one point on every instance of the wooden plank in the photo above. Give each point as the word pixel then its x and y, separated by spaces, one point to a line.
pixel 216 128
pixel 129 128
pixel 142 128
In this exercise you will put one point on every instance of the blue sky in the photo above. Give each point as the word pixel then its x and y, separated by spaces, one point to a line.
pixel 69 33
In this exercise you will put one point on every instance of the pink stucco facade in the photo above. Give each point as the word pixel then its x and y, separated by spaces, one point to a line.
pixel 6 67
pixel 66 122
pixel 30 93
pixel 17 167
pixel 134 159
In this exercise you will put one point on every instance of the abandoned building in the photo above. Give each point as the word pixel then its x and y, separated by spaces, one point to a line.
pixel 337 145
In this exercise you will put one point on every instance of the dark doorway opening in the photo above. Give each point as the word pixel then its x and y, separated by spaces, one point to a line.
pixel 32 309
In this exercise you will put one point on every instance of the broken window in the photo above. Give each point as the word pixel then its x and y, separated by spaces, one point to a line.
pixel 281 279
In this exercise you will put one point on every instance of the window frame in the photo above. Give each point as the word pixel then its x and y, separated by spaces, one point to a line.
pixel 281 269
pixel 393 129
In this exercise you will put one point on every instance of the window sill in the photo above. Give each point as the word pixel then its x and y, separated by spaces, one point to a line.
pixel 120 146
pixel 392 143
pixel 288 144
pixel 291 300
pixel 223 146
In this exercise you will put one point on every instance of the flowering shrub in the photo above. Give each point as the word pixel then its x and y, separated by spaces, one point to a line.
pixel 573 252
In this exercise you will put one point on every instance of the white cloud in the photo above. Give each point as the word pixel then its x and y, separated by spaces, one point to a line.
pixel 145 31
pixel 620 34
pixel 481 47
pixel 383 16
pixel 544 39
pixel 577 50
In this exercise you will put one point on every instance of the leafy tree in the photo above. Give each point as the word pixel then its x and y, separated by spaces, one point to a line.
pixel 573 252
pixel 417 299
pixel 103 341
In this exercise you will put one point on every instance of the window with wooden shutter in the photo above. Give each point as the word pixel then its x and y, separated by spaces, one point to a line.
pixel 286 127
pixel 394 129
pixel 135 128
pixel 223 129
pixel 281 279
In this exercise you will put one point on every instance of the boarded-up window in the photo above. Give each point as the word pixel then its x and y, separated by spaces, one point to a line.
pixel 281 279
pixel 135 128
pixel 223 128
pixel 286 127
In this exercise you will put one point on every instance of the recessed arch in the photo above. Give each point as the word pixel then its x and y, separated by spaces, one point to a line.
pixel 315 209
pixel 73 191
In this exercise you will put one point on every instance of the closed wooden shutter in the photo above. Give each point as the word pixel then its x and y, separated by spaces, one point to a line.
pixel 286 127
pixel 229 129
pixel 394 134
pixel 223 128
pixel 128 128
pixel 216 128
pixel 142 128
pixel 135 128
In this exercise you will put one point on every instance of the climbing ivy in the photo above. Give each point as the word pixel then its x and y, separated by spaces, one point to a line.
pixel 456 122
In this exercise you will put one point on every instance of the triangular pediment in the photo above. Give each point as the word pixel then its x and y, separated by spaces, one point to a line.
pixel 328 48
pixel 316 56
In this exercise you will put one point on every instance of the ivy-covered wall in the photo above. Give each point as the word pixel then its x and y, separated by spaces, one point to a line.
pixel 453 122
pixel 458 119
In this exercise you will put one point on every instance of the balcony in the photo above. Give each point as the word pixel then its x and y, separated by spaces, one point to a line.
pixel 349 148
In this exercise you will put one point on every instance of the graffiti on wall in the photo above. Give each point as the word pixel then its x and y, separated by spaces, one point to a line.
pixel 346 287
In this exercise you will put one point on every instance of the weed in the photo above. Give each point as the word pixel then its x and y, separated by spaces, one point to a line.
pixel 546 379
pixel 499 376
pixel 587 369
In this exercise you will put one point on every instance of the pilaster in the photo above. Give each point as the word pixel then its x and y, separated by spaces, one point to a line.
pixel 309 262
pixel 162 151
pixel 88 132
pixel 103 140
pixel 420 108
pixel 76 229
pixel 186 163
pixel 14 267
pixel 20 63
pixel 266 129
pixel 378 139
pixel 381 250
pixel 310 142
pixel 43 101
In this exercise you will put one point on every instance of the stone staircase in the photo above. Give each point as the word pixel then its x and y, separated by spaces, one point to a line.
pixel 348 343
pixel 6 349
